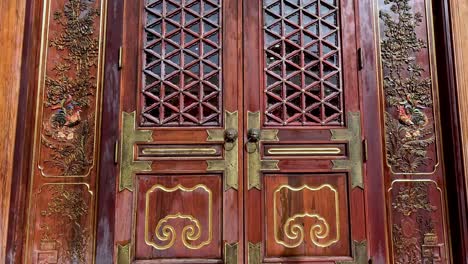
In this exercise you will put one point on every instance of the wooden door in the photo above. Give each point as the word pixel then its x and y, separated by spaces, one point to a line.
pixel 304 188
pixel 231 158
pixel 179 191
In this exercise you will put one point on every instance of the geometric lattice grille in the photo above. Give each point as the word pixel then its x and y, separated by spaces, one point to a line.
pixel 302 58
pixel 182 63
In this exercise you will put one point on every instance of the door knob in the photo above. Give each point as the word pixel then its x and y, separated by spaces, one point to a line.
pixel 253 135
pixel 253 139
pixel 230 137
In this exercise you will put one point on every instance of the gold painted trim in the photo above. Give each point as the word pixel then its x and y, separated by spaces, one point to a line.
pixel 255 165
pixel 230 164
pixel 297 230
pixel 254 253
pixel 178 151
pixel 230 253
pixel 355 162
pixel 120 57
pixel 304 151
pixel 128 166
pixel 359 254
pixel 190 232
pixel 123 254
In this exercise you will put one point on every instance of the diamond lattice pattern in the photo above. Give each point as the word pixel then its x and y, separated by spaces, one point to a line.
pixel 302 56
pixel 182 63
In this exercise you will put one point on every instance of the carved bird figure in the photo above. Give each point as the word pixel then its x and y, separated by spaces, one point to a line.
pixel 403 116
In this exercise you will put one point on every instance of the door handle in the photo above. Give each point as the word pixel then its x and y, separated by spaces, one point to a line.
pixel 255 164
pixel 230 138
pixel 253 140
pixel 230 163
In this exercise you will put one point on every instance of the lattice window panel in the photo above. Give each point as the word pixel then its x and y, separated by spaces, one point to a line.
pixel 182 63
pixel 302 63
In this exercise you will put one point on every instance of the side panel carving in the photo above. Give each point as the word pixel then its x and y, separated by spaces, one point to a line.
pixel 63 223
pixel 415 173
pixel 409 99
pixel 61 215
pixel 417 219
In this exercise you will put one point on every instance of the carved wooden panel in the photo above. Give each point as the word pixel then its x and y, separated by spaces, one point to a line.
pixel 62 197
pixel 182 63
pixel 307 215
pixel 178 217
pixel 302 63
pixel 416 196
pixel 418 222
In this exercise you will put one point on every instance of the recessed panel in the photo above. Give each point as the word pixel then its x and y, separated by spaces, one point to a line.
pixel 178 217
pixel 306 215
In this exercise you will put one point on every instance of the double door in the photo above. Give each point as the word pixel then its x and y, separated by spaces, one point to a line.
pixel 241 137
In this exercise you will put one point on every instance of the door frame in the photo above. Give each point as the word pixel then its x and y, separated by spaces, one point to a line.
pixel 453 134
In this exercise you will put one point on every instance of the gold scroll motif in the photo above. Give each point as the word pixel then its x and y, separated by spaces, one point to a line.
pixel 166 233
pixel 230 164
pixel 295 231
pixel 353 136
pixel 128 166
pixel 230 253
pixel 359 254
pixel 255 164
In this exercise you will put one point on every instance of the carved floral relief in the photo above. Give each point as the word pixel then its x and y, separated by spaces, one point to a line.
pixel 63 224
pixel 61 215
pixel 417 231
pixel 415 199
pixel 410 133
pixel 70 90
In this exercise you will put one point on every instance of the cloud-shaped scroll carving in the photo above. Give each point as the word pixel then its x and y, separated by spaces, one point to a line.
pixel 290 226
pixel 166 231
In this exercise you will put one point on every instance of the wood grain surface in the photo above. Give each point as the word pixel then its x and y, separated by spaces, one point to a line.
pixel 11 34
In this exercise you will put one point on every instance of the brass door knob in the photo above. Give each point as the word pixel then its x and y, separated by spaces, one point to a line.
pixel 230 135
pixel 253 135
pixel 253 140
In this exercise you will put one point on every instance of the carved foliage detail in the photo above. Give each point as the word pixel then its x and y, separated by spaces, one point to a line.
pixel 63 224
pixel 408 93
pixel 415 231
pixel 410 199
pixel 70 90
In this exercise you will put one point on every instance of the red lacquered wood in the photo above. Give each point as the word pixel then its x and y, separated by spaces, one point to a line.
pixel 135 91
pixel 305 169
